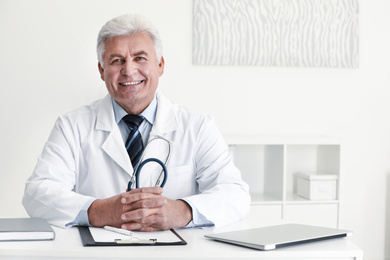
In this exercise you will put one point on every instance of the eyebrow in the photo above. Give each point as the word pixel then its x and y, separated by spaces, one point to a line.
pixel 140 53
pixel 114 55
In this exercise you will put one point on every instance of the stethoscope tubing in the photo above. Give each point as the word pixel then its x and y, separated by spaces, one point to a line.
pixel 142 164
pixel 164 167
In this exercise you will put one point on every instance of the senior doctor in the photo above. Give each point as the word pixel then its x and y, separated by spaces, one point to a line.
pixel 82 174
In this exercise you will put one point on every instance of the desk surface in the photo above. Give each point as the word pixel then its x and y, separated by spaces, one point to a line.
pixel 67 245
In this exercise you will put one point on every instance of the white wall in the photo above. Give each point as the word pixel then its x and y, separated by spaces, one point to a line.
pixel 48 67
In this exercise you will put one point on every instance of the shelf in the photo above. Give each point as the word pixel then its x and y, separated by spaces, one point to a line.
pixel 232 139
pixel 293 198
pixel 269 164
pixel 264 199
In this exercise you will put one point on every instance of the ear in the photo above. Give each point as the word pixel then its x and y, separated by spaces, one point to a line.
pixel 101 71
pixel 161 66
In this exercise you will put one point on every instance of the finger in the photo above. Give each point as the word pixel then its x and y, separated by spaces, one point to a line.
pixel 152 218
pixel 132 226
pixel 139 227
pixel 154 190
pixel 149 229
pixel 150 223
pixel 155 202
pixel 128 198
pixel 139 215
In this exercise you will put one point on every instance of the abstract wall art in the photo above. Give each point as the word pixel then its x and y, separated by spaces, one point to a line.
pixel 297 33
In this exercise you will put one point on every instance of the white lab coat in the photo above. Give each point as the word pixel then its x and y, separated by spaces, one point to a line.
pixel 85 158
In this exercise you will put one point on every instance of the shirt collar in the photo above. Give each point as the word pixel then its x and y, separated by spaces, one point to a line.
pixel 149 113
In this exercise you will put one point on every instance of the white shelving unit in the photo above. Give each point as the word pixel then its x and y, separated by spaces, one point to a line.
pixel 269 165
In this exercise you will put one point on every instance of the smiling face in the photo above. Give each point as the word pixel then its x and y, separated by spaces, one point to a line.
pixel 131 70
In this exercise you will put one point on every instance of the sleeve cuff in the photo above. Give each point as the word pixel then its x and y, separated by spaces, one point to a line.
pixel 82 218
pixel 198 219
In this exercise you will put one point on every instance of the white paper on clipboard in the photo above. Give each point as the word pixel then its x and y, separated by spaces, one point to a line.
pixel 102 235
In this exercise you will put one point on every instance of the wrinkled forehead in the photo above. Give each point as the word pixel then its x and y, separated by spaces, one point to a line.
pixel 132 44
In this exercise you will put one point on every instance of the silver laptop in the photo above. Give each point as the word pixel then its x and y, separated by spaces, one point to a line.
pixel 267 238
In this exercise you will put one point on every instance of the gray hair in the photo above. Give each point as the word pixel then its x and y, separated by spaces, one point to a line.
pixel 126 25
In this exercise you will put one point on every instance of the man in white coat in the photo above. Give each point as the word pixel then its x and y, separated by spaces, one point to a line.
pixel 82 174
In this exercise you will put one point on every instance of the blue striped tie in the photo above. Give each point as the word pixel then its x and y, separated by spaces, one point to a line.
pixel 134 144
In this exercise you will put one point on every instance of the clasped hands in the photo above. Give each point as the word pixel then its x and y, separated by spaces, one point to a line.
pixel 143 209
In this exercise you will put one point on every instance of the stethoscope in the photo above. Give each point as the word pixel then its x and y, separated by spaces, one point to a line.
pixel 164 172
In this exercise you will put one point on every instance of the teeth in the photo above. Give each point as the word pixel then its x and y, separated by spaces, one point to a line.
pixel 130 83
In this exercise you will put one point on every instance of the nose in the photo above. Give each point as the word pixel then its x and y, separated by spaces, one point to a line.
pixel 128 68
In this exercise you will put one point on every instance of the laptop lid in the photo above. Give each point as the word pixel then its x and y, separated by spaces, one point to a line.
pixel 267 238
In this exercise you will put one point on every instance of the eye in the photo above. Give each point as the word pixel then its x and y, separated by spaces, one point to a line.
pixel 117 61
pixel 139 58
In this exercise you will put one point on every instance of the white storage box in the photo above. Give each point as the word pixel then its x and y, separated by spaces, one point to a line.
pixel 317 186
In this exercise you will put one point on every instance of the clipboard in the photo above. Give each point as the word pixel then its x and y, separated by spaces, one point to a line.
pixel 88 240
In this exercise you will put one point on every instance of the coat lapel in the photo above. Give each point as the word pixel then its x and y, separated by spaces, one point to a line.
pixel 113 145
pixel 165 117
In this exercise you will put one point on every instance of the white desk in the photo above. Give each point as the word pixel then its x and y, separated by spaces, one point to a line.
pixel 67 245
